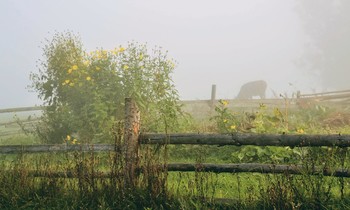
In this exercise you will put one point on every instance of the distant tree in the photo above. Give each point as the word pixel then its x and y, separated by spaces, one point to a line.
pixel 327 22
pixel 84 91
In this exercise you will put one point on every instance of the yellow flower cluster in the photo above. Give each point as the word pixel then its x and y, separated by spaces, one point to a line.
pixel 103 54
pixel 68 82
pixel 99 54
pixel 301 131
pixel 119 50
pixel 73 68
pixel 87 62
pixel 69 71
pixel 71 140
pixel 71 82
pixel 224 102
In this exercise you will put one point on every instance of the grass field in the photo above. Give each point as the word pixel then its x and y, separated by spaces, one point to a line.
pixel 186 190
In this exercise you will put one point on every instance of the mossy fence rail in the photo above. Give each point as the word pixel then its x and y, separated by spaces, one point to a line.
pixel 133 139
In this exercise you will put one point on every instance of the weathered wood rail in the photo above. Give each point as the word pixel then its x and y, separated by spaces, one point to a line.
pixel 22 109
pixel 340 93
pixel 240 139
pixel 22 149
pixel 333 98
pixel 208 167
pixel 31 120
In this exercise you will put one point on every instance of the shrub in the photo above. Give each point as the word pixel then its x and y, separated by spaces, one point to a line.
pixel 84 92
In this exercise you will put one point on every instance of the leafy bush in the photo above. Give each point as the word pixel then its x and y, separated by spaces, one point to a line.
pixel 84 92
pixel 260 121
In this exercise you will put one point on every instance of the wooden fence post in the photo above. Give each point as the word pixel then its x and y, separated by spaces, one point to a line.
pixel 131 135
pixel 213 95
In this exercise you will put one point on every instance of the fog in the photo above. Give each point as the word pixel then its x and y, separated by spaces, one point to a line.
pixel 287 43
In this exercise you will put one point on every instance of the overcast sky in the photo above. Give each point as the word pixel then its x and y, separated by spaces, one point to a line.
pixel 226 43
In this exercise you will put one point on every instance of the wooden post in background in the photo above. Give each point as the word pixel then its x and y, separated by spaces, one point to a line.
pixel 213 96
pixel 131 135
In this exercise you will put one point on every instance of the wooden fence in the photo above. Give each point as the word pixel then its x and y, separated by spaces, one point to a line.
pixel 22 109
pixel 202 109
pixel 336 99
pixel 210 139
pixel 342 94
pixel 10 126
pixel 133 139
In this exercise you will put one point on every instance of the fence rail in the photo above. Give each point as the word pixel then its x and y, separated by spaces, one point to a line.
pixel 21 149
pixel 207 167
pixel 196 139
pixel 240 139
pixel 335 97
pixel 32 120
pixel 22 109
pixel 324 93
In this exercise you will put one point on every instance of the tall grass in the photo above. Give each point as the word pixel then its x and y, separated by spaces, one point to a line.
pixel 96 181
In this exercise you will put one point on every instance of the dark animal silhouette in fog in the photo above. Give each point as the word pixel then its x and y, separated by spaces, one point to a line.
pixel 251 89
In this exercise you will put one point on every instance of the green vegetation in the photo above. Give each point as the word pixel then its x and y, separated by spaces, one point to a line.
pixel 84 91
pixel 156 189
pixel 79 89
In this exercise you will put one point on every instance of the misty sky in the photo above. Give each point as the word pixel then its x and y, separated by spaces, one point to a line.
pixel 226 43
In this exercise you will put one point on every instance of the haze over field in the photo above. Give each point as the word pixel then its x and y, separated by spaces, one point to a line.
pixel 291 44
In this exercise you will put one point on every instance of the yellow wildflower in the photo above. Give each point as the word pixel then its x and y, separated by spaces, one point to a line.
pixel 75 67
pixel 66 81
pixel 121 49
pixel 125 67
pixel 70 71
pixel 301 131
pixel 225 120
pixel 74 141
pixel 224 102
pixel 233 127
pixel 88 78
pixel 102 54
pixel 68 138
